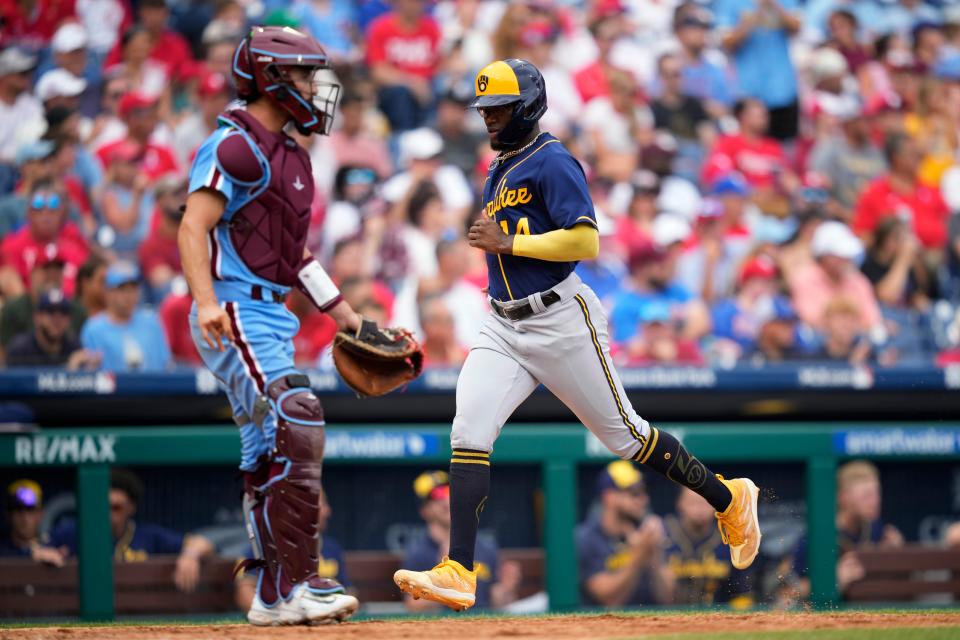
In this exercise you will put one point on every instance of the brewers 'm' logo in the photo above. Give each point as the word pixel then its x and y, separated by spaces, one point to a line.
pixel 482 83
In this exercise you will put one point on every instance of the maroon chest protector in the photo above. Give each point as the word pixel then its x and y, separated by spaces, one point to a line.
pixel 270 231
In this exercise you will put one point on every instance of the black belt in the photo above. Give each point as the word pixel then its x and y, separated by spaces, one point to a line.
pixel 267 295
pixel 525 310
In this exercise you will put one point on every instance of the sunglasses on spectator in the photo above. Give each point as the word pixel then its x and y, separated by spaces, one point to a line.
pixel 51 201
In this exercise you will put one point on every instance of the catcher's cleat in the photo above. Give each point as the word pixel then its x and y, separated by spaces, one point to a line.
pixel 448 583
pixel 303 607
pixel 739 526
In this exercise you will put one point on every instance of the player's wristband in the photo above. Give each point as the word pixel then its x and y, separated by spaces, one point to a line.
pixel 318 286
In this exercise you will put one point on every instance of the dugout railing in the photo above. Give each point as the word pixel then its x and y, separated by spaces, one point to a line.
pixel 557 449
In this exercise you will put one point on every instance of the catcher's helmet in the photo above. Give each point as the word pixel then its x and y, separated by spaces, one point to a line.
pixel 516 82
pixel 261 68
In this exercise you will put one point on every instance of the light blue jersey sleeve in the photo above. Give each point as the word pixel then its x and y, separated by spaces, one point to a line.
pixel 206 173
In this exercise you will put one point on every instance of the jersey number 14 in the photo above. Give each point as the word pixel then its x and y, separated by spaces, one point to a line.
pixel 523 227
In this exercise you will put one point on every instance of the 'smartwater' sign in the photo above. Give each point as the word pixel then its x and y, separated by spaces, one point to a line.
pixel 897 442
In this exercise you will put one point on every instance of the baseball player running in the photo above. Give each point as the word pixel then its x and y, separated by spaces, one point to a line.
pixel 548 328
pixel 242 243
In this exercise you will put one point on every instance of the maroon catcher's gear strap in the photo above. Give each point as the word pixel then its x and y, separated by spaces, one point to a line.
pixel 286 505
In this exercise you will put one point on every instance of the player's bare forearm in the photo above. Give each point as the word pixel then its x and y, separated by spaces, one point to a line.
pixel 486 234
pixel 346 318
pixel 342 313
pixel 204 210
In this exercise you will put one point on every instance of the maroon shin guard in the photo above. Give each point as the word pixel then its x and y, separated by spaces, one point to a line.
pixel 283 494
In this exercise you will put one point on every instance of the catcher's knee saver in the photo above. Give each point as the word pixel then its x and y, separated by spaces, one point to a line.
pixel 293 491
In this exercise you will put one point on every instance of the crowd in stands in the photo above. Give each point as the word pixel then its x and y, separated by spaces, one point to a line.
pixel 773 180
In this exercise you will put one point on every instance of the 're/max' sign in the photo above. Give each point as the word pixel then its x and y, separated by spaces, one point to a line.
pixel 64 449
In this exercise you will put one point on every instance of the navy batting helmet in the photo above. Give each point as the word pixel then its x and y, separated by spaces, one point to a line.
pixel 261 67
pixel 516 82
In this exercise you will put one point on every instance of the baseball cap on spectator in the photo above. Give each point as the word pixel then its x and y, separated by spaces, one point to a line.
pixel 460 93
pixel 645 183
pixel 213 84
pixel 432 485
pixel 34 151
pixel 620 475
pixel 680 197
pixel 54 300
pixel 948 68
pixel 827 63
pixel 712 209
pixel 730 184
pixel 133 101
pixel 420 144
pixel 656 312
pixel 642 255
pixel 24 494
pixel 607 9
pixel 59 82
pixel 121 273
pixel 69 37
pixel 669 229
pixel 16 60
pixel 537 32
pixel 757 267
pixel 694 17
pixel 834 238
pixel 169 183
pixel 219 31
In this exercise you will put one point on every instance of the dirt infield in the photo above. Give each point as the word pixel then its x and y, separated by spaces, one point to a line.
pixel 543 628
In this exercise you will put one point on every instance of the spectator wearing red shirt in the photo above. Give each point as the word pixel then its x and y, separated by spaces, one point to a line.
pixel 159 254
pixel 316 330
pixel 634 230
pixel 175 317
pixel 47 232
pixel 32 23
pixel 213 96
pixel 593 80
pixel 139 113
pixel 900 193
pixel 758 158
pixel 403 52
pixel 168 47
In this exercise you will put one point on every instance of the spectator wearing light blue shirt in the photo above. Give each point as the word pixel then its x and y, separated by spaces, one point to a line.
pixel 757 34
pixel 702 77
pixel 128 338
pixel 331 22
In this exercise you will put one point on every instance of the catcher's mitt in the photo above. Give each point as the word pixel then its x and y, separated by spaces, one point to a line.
pixel 376 361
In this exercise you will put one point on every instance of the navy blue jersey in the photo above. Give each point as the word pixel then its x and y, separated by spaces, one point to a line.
pixel 542 189
pixel 701 565
pixel 599 553
pixel 138 542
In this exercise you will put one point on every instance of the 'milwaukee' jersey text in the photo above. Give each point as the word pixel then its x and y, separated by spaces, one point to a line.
pixel 542 189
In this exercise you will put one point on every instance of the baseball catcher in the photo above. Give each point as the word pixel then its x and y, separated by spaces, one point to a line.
pixel 242 244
